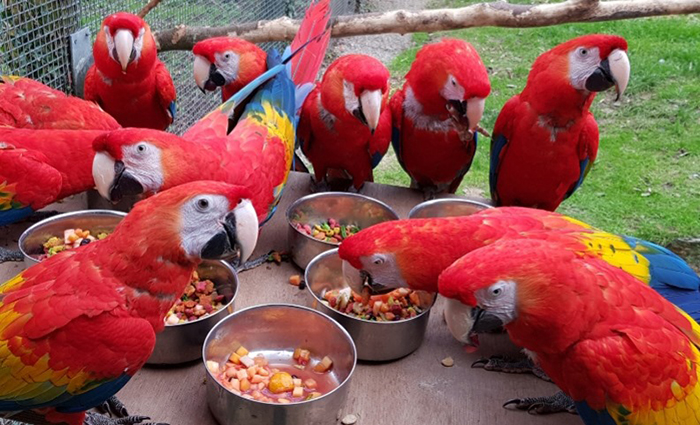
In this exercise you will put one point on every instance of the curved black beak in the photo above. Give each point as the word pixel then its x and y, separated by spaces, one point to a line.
pixel 215 80
pixel 124 184
pixel 459 106
pixel 485 322
pixel 225 244
pixel 601 79
pixel 376 288
pixel 360 115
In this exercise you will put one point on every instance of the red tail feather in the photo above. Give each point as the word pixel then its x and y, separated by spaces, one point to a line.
pixel 305 66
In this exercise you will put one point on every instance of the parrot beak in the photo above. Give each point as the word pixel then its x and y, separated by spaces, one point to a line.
pixel 124 51
pixel 358 280
pixel 111 178
pixel 237 239
pixel 371 108
pixel 206 75
pixel 475 110
pixel 465 322
pixel 612 71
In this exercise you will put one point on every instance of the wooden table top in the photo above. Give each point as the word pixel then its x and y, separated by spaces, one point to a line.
pixel 414 390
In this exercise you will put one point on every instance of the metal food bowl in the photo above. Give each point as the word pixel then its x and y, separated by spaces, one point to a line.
pixel 176 344
pixel 375 341
pixel 347 208
pixel 32 240
pixel 96 201
pixel 447 207
pixel 275 330
pixel 182 343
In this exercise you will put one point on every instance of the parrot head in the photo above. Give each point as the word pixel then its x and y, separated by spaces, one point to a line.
pixel 584 65
pixel 226 61
pixel 404 253
pixel 450 76
pixel 356 87
pixel 205 219
pixel 131 162
pixel 513 284
pixel 124 45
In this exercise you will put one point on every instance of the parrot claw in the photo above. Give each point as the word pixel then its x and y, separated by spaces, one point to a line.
pixel 557 403
pixel 322 186
pixel 114 407
pixel 506 365
pixel 92 418
pixel 10 255
pixel 271 257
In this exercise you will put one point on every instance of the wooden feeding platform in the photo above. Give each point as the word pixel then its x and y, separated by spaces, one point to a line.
pixel 414 390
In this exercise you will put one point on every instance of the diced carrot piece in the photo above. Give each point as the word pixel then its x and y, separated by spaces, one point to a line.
pixel 311 384
pixel 245 384
pixel 414 298
pixel 242 351
pixel 235 358
pixel 296 354
pixel 298 392
pixel 295 280
pixel 323 365
pixel 384 308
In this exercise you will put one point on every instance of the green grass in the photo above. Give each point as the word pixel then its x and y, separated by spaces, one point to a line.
pixel 646 180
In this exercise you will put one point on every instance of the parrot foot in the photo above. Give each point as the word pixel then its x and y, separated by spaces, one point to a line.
pixel 41 215
pixel 557 403
pixel 506 365
pixel 114 407
pixel 320 186
pixel 92 418
pixel 10 255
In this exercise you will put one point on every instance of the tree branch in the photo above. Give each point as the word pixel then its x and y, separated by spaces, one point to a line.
pixel 499 14
pixel 147 8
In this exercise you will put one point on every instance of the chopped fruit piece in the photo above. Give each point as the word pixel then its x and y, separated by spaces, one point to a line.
pixel 213 367
pixel 448 362
pixel 242 351
pixel 295 280
pixel 247 361
pixel 310 384
pixel 297 392
pixel 245 384
pixel 281 382
pixel 235 358
pixel 323 365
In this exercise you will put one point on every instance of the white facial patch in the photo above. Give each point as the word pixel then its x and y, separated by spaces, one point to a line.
pixel 384 270
pixel 202 218
pixel 413 110
pixel 452 90
pixel 138 43
pixel 142 161
pixel 582 63
pixel 499 299
pixel 227 64
pixel 351 100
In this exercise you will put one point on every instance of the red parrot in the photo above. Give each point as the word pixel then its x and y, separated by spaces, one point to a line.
pixel 227 62
pixel 436 114
pixel 25 103
pixel 545 139
pixel 76 327
pixel 622 352
pixel 345 123
pixel 412 253
pixel 128 80
pixel 256 153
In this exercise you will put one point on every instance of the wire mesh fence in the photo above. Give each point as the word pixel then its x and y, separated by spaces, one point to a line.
pixel 34 37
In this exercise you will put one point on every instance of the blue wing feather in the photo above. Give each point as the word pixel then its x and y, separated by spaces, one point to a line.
pixel 497 144
pixel 14 215
pixel 584 166
pixel 172 108
pixel 593 417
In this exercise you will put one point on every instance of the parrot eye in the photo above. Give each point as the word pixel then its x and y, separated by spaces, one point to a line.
pixel 496 292
pixel 583 51
pixel 141 147
pixel 227 56
pixel 378 260
pixel 202 204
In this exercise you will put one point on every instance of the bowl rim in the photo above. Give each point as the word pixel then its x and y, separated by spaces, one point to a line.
pixel 446 200
pixel 284 305
pixel 58 217
pixel 224 307
pixel 330 252
pixel 301 200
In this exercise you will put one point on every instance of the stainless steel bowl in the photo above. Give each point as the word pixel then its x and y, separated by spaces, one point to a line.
pixel 96 201
pixel 375 341
pixel 32 240
pixel 183 342
pixel 275 330
pixel 447 207
pixel 347 208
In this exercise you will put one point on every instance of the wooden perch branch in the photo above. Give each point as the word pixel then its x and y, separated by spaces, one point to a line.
pixel 500 14
pixel 147 8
